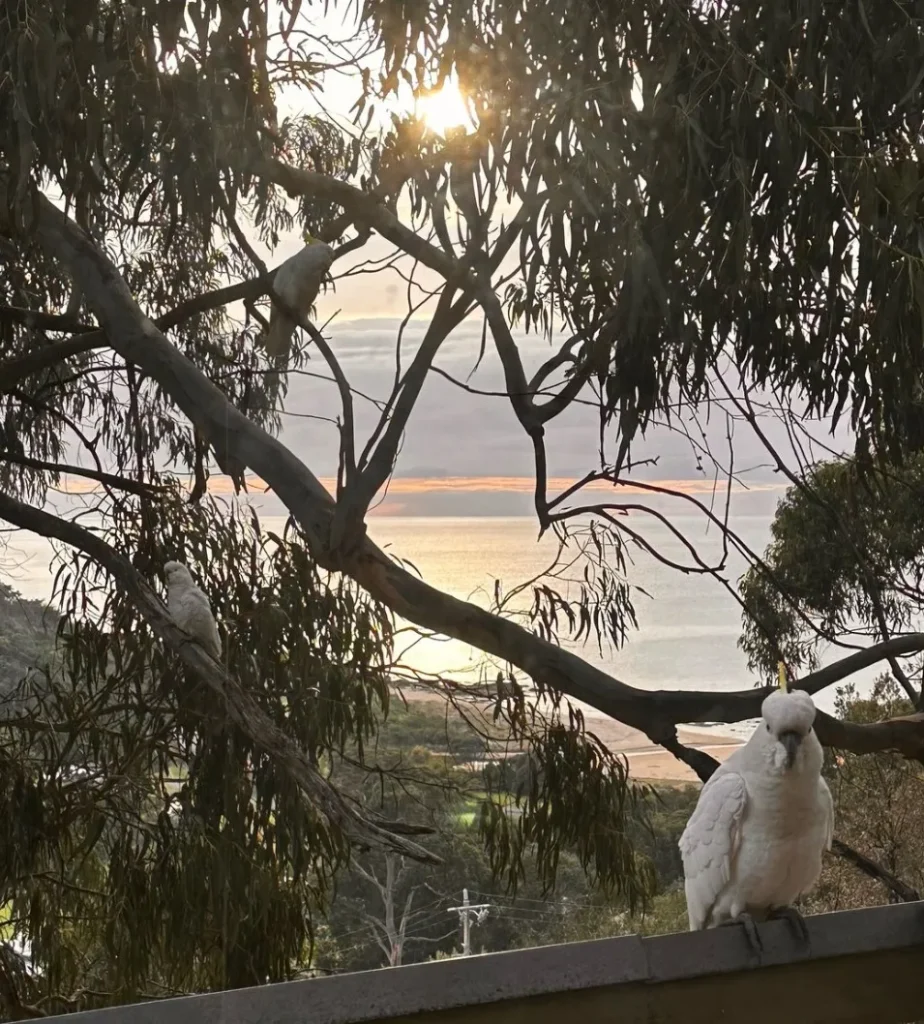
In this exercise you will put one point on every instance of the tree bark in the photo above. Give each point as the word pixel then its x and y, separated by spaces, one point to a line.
pixel 238 441
pixel 239 707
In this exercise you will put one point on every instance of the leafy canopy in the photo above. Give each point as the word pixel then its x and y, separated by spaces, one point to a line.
pixel 845 562
pixel 735 180
pixel 688 187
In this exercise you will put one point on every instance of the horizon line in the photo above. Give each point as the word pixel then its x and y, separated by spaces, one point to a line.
pixel 220 484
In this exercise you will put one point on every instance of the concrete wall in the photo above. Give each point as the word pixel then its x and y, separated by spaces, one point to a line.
pixel 864 965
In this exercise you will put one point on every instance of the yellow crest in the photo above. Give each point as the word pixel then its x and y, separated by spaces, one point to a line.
pixel 310 239
pixel 781 669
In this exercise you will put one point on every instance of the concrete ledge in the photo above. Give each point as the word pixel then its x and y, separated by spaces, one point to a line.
pixel 864 965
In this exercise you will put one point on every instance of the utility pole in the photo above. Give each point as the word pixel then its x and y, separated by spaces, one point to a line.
pixel 478 911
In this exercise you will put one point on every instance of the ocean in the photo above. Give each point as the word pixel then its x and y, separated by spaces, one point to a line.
pixel 688 624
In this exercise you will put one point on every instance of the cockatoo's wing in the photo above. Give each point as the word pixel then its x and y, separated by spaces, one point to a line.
pixel 828 809
pixel 710 842
pixel 191 611
pixel 297 283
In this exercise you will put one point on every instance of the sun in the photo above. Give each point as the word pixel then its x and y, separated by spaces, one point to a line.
pixel 444 109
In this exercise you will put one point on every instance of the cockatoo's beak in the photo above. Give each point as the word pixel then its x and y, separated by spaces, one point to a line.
pixel 791 742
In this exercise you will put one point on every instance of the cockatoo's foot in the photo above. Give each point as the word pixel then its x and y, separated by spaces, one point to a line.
pixel 796 920
pixel 755 946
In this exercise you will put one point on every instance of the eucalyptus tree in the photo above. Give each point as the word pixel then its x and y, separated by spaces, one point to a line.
pixel 712 198
pixel 844 566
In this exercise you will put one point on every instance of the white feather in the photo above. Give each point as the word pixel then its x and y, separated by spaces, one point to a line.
pixel 297 283
pixel 189 608
pixel 755 840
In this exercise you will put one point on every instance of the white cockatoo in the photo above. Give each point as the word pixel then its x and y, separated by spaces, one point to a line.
pixel 755 841
pixel 189 608
pixel 297 283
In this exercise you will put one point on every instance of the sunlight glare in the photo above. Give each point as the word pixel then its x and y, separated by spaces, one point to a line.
pixel 444 109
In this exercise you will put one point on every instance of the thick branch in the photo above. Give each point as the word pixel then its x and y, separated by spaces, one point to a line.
pixel 15 370
pixel 233 435
pixel 38 320
pixel 239 707
pixel 364 209
pixel 904 734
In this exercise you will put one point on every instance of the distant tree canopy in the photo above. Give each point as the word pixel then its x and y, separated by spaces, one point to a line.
pixel 712 200
pixel 846 564
pixel 878 804
pixel 27 631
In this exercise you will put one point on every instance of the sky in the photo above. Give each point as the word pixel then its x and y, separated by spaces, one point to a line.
pixel 463 453
pixel 466 453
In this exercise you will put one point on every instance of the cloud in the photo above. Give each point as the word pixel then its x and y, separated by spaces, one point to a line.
pixel 463 451
pixel 464 427
pixel 505 496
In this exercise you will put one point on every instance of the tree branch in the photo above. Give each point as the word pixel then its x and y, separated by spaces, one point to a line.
pixel 41 321
pixel 374 473
pixel 873 870
pixel 14 370
pixel 364 209
pixel 121 483
pixel 551 667
pixel 239 707
pixel 582 372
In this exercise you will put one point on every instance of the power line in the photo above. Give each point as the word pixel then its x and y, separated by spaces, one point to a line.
pixel 565 901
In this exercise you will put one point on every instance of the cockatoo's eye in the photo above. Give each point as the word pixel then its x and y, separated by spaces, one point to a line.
pixel 768 726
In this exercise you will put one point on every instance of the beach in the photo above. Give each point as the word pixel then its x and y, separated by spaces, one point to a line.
pixel 647 761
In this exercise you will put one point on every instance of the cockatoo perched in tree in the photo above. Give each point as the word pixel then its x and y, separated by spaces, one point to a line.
pixel 297 283
pixel 189 608
pixel 755 841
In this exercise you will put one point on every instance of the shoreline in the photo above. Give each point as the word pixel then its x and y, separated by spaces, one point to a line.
pixel 647 761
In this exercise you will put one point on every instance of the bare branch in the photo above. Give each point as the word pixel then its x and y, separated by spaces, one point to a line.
pixel 374 473
pixel 121 483
pixel 869 867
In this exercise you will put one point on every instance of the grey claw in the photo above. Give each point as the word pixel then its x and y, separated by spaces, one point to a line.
pixel 753 936
pixel 796 922
pixel 755 946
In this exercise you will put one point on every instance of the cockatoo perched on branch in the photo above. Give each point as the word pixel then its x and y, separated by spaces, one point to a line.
pixel 297 283
pixel 189 608
pixel 755 841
